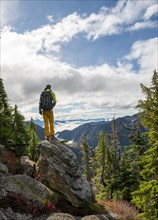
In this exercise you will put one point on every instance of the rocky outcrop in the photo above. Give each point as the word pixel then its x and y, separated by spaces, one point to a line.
pixel 24 185
pixel 64 216
pixel 21 195
pixel 3 169
pixel 27 165
pixel 59 170
pixel 8 214
pixel 61 216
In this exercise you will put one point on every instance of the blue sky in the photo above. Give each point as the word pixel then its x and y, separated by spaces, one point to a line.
pixel 95 54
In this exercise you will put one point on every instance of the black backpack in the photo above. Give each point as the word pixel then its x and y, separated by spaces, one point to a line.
pixel 46 100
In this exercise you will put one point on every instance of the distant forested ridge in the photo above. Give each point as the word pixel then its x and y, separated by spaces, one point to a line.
pixel 92 130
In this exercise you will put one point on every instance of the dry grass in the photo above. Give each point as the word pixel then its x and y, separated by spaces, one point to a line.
pixel 121 208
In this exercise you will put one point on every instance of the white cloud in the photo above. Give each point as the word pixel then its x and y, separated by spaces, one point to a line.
pixel 28 65
pixel 94 90
pixel 152 10
pixel 133 10
pixel 108 21
pixel 143 25
pixel 9 12
pixel 50 18
pixel 145 52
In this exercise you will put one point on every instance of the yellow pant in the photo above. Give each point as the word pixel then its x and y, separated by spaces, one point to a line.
pixel 48 117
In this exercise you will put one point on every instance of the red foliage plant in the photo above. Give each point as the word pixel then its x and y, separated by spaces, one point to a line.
pixel 10 160
pixel 21 204
pixel 50 206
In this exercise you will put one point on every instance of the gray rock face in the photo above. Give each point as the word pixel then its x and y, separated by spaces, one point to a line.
pixel 95 217
pixel 59 170
pixel 65 216
pixel 61 216
pixel 3 169
pixel 23 185
pixel 8 214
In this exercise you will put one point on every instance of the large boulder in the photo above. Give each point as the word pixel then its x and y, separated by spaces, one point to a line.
pixel 9 214
pixel 61 216
pixel 58 168
pixel 25 186
pixel 27 165
pixel 3 169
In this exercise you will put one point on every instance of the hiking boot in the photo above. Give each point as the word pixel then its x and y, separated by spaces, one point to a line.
pixel 47 138
pixel 52 137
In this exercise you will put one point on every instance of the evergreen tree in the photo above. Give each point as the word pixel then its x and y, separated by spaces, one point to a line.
pixel 5 116
pixel 100 167
pixel 130 165
pixel 107 163
pixel 146 197
pixel 115 146
pixel 114 160
pixel 20 135
pixel 86 152
pixel 32 148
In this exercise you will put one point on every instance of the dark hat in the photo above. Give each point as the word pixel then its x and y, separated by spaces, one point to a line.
pixel 48 86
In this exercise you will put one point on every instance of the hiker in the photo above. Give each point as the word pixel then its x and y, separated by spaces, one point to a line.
pixel 46 105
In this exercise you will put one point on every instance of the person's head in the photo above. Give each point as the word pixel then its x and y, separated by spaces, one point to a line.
pixel 48 87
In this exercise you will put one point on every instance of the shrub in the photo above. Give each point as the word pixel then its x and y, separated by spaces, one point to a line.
pixel 122 208
pixel 23 205
pixel 11 161
pixel 95 208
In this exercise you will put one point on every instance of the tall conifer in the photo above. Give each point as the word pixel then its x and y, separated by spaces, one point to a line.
pixel 20 135
pixel 102 165
pixel 86 158
pixel 34 141
pixel 5 116
pixel 146 198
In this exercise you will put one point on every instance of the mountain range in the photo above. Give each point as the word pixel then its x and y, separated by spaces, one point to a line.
pixel 69 124
pixel 92 130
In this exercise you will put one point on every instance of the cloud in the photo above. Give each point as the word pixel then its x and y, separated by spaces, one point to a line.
pixel 125 16
pixel 111 21
pixel 143 25
pixel 9 12
pixel 145 52
pixel 31 60
pixel 50 18
pixel 152 10
pixel 93 90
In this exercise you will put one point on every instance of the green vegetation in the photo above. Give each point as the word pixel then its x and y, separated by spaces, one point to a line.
pixel 33 142
pixel 5 116
pixel 131 175
pixel 146 197
pixel 86 160
pixel 14 133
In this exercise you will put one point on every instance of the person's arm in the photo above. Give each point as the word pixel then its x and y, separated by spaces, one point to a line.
pixel 40 110
pixel 54 98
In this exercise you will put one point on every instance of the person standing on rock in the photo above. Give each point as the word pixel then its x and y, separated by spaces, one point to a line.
pixel 46 105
